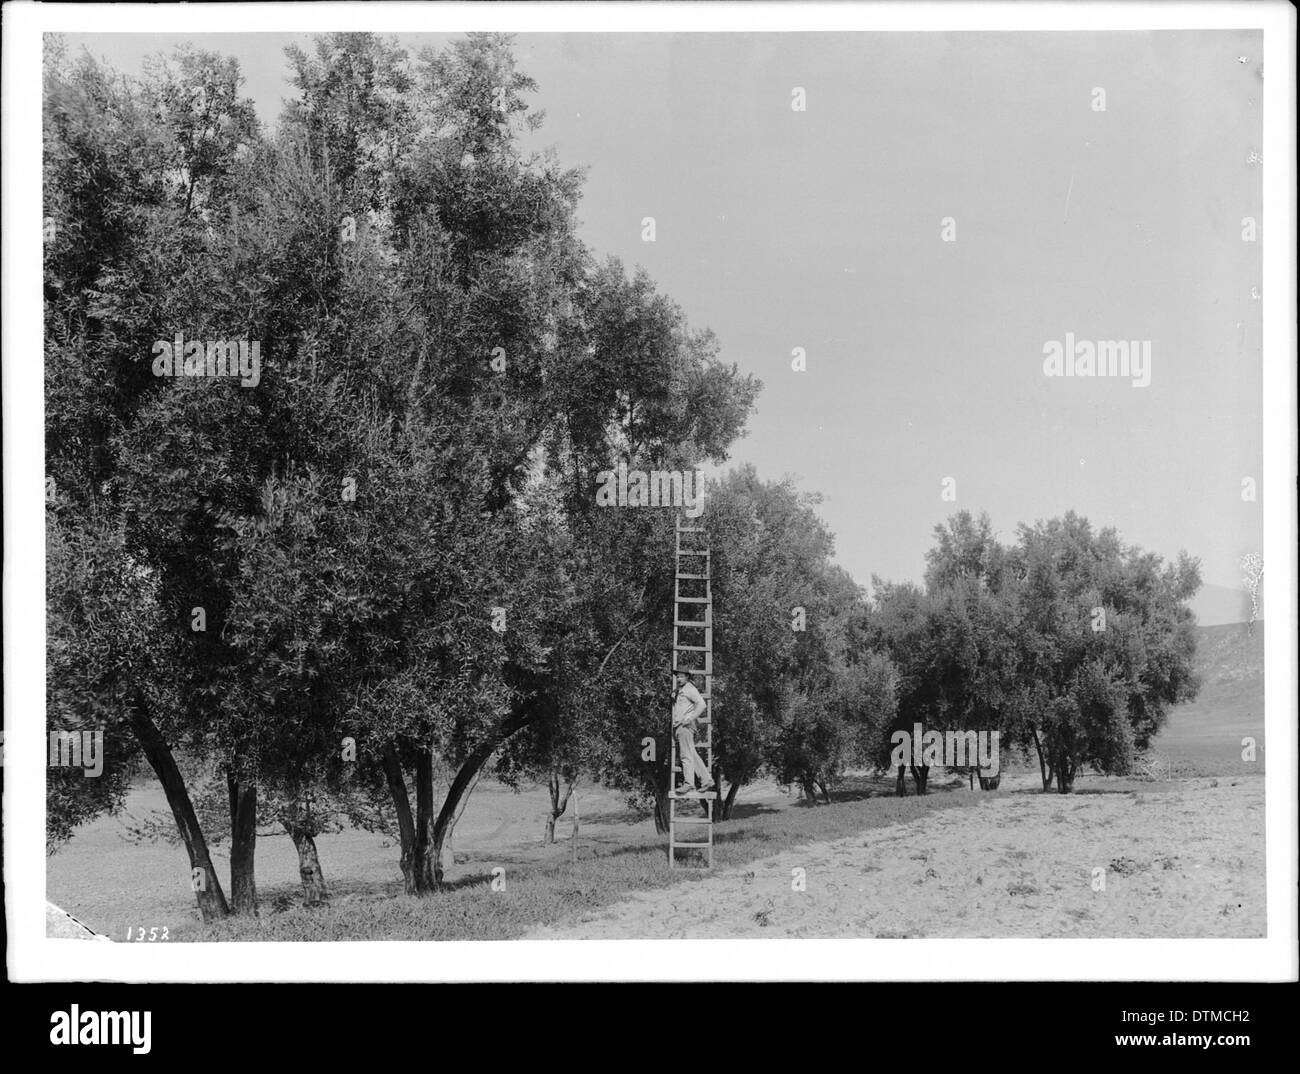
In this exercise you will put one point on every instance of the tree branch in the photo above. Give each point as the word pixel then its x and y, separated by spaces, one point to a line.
pixel 623 638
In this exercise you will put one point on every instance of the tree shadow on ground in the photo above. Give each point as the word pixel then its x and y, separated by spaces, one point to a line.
pixel 623 816
pixel 277 898
pixel 1121 788
pixel 1127 787
pixel 743 811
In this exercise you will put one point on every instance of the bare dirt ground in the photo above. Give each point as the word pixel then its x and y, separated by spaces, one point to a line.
pixel 1182 859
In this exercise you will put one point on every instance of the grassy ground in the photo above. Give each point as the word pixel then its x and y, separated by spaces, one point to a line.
pixel 558 891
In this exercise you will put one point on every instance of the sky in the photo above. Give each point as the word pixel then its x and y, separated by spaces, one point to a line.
pixel 824 229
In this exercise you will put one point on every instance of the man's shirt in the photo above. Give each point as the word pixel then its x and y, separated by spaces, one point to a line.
pixel 685 702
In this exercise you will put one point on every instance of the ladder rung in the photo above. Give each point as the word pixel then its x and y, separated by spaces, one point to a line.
pixel 692 820
pixel 677 845
pixel 693 648
pixel 692 577
pixel 697 795
pixel 690 529
pixel 706 670
pixel 693 552
pixel 694 600
pixel 700 623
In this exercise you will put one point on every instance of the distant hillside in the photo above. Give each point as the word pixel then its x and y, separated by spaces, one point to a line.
pixel 1205 735
pixel 1232 653
pixel 1216 605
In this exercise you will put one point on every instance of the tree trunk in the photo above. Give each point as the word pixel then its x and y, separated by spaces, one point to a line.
pixel 826 795
pixel 447 852
pixel 405 822
pixel 1044 766
pixel 729 802
pixel 313 879
pixel 208 893
pixel 573 840
pixel 465 777
pixel 921 777
pixel 809 790
pixel 552 785
pixel 661 811
pixel 243 844
pixel 1065 772
pixel 900 783
pixel 558 803
pixel 425 852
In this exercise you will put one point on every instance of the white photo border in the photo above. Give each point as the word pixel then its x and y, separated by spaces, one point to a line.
pixel 33 957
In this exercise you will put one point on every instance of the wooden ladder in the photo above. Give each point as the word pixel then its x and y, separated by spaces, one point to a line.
pixel 693 617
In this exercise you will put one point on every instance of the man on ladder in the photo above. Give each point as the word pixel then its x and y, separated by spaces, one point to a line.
pixel 688 706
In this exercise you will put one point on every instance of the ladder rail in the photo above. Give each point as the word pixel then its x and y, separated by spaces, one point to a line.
pixel 693 567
